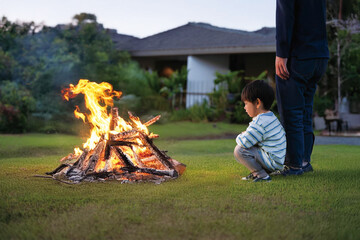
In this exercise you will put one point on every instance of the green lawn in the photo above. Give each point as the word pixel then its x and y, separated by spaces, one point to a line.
pixel 208 202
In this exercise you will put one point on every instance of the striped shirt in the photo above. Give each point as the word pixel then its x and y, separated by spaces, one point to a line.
pixel 266 132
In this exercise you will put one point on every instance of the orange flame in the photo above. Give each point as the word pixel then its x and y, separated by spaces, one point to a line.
pixel 98 97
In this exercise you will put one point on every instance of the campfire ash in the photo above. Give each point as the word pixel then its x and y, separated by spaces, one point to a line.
pixel 116 150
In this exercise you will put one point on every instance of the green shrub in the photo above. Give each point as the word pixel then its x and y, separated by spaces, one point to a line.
pixel 239 115
pixel 16 104
pixel 196 113
pixel 201 112
pixel 321 103
pixel 226 98
pixel 180 115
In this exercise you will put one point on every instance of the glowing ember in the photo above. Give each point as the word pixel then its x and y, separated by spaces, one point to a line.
pixel 116 149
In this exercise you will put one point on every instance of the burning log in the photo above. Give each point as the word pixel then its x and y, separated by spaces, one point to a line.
pixel 117 150
pixel 124 135
pixel 160 155
pixel 152 121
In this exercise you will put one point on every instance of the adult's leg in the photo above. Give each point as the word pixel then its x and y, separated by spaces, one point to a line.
pixel 291 103
pixel 247 157
pixel 309 137
pixel 320 68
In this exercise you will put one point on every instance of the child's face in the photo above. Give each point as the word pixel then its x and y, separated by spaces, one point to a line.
pixel 250 108
pixel 253 108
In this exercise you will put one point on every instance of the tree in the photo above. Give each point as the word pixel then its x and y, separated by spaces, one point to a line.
pixel 41 60
pixel 98 59
pixel 10 31
pixel 6 63
pixel 343 18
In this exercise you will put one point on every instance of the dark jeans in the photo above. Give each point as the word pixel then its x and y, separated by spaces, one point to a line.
pixel 295 97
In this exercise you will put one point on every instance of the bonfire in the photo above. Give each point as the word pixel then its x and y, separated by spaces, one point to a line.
pixel 116 149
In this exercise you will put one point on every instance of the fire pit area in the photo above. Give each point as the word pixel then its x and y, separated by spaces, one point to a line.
pixel 116 149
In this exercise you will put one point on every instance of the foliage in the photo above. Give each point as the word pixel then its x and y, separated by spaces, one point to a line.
pixel 153 81
pixel 98 59
pixel 239 115
pixel 321 103
pixel 350 62
pixel 6 63
pixel 226 97
pixel 174 85
pixel 10 31
pixel 165 93
pixel 16 103
pixel 133 80
pixel 351 67
pixel 341 31
pixel 350 8
pixel 46 59
pixel 196 113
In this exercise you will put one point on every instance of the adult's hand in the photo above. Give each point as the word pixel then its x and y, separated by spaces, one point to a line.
pixel 280 67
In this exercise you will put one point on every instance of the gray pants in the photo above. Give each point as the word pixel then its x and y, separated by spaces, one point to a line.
pixel 251 159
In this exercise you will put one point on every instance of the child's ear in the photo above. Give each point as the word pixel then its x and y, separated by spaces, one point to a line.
pixel 258 102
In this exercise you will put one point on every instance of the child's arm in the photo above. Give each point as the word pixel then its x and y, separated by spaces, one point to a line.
pixel 251 136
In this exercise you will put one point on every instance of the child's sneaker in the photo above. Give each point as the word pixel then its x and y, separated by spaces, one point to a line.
pixel 276 172
pixel 248 177
pixel 264 179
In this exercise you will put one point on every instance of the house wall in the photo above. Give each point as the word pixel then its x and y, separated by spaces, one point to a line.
pixel 201 76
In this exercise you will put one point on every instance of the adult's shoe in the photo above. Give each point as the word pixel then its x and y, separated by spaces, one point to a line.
pixel 307 168
pixel 288 171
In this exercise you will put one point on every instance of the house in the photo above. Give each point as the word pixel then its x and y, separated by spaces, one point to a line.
pixel 205 50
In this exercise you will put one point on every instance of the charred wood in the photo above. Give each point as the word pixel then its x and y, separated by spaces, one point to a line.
pixel 99 174
pixel 95 157
pixel 58 169
pixel 121 155
pixel 151 136
pixel 171 173
pixel 80 159
pixel 138 161
pixel 127 134
pixel 133 118
pixel 114 118
pixel 107 151
pixel 163 158
pixel 121 143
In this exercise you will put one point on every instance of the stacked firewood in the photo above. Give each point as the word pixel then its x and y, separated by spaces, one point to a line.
pixel 116 158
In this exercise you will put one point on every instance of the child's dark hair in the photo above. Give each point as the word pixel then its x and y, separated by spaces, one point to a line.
pixel 258 89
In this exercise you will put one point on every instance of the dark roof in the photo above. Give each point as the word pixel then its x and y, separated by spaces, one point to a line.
pixel 200 38
pixel 122 41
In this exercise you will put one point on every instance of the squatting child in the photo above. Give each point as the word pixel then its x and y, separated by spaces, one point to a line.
pixel 262 147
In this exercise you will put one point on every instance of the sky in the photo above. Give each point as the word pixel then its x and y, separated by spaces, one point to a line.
pixel 142 18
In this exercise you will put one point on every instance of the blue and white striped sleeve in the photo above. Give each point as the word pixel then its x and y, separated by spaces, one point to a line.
pixel 253 135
